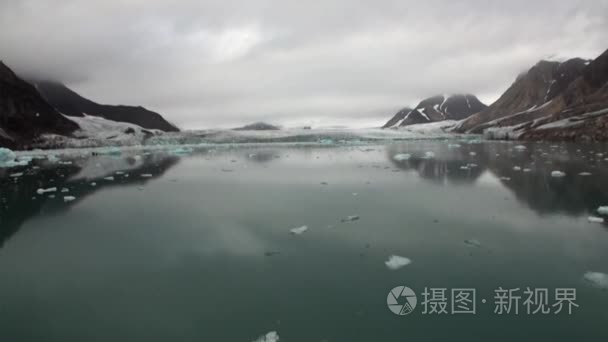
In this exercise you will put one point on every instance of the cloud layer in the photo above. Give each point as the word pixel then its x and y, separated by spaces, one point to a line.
pixel 204 63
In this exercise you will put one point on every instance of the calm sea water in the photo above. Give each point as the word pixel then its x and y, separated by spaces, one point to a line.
pixel 199 248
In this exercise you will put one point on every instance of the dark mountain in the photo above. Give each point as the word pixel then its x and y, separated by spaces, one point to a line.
pixel 24 114
pixel 70 103
pixel 574 107
pixel 530 91
pixel 258 126
pixel 438 108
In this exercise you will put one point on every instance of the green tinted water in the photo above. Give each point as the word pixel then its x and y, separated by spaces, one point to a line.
pixel 202 250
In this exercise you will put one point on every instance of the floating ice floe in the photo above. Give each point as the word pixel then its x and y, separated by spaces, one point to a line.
pixel 454 146
pixel 65 190
pixel 402 156
pixel 350 218
pixel 396 262
pixel 299 230
pixel 472 242
pixel 603 210
pixel 6 155
pixel 505 178
pixel 110 178
pixel 585 174
pixel 272 336
pixel 520 148
pixel 17 174
pixel 44 191
pixel 146 175
pixel 472 154
pixel 429 155
pixel 595 219
pixel 182 150
pixel 68 198
pixel 558 174
pixel 527 170
pixel 597 279
pixel 516 168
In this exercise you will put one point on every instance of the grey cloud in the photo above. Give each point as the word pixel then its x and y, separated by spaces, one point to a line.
pixel 211 63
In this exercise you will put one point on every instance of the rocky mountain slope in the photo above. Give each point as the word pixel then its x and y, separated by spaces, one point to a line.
pixel 437 108
pixel 552 101
pixel 24 113
pixel 530 92
pixel 70 103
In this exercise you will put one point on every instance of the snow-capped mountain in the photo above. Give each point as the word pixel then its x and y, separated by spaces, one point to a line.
pixel 438 108
pixel 70 103
pixel 552 101
pixel 531 90
pixel 24 114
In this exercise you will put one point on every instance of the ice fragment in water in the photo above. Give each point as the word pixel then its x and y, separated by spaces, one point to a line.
pixel 109 178
pixel 585 174
pixel 527 170
pixel 473 242
pixel 299 230
pixel 516 168
pixel 594 219
pixel 453 146
pixel 520 148
pixel 402 157
pixel 15 175
pixel 65 190
pixel 396 262
pixel 68 198
pixel 269 337
pixel 146 175
pixel 558 174
pixel 350 218
pixel 6 155
pixel 43 191
pixel 182 150
pixel 472 154
pixel 603 210
pixel 597 279
pixel 429 155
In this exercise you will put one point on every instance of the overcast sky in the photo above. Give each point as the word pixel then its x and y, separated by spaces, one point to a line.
pixel 209 63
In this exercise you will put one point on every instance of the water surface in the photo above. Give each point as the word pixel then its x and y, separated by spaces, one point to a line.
pixel 199 248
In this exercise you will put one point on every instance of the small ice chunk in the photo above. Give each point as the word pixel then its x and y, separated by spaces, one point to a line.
pixel 298 230
pixel 93 184
pixel 182 150
pixel 402 156
pixel 65 190
pixel 43 191
pixel 350 218
pixel 558 174
pixel 473 242
pixel 454 146
pixel 527 170
pixel 585 174
pixel 17 174
pixel 597 279
pixel 6 155
pixel 520 148
pixel 109 178
pixel 464 167
pixel 516 168
pixel 146 175
pixel 472 154
pixel 505 178
pixel 429 155
pixel 603 210
pixel 119 173
pixel 595 219
pixel 269 337
pixel 396 262
pixel 68 198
